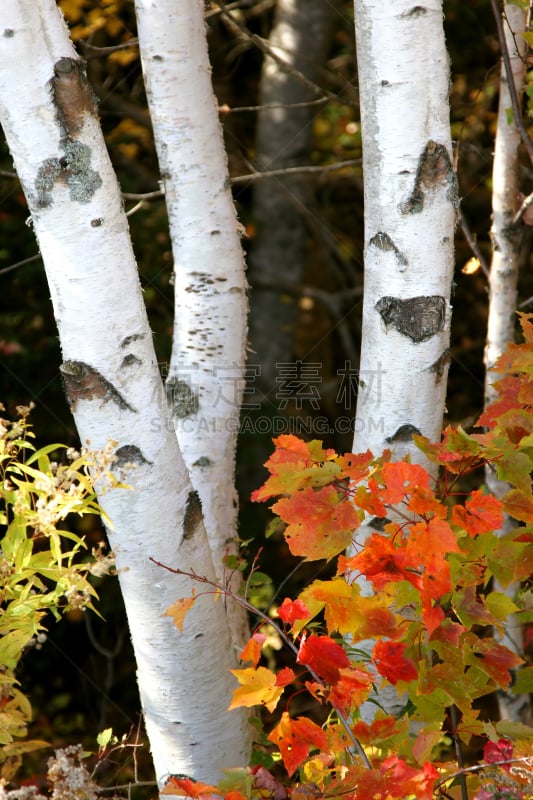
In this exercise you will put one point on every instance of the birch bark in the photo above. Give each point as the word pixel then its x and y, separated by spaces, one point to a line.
pixel 503 279
pixel 410 198
pixel 206 373
pixel 115 392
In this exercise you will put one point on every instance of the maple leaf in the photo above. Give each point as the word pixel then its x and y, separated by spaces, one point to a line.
pixel 178 785
pixel 252 649
pixel 457 449
pixel 294 738
pixel 179 609
pixel 502 750
pixel 319 524
pixel 494 659
pixel 519 505
pixel 381 561
pixel 508 391
pixel 391 662
pixel 356 466
pixel 323 655
pixel 347 612
pixel 285 676
pixel 401 478
pixel 290 611
pixel 482 513
pixel 424 503
pixel 258 687
pixel 351 689
pixel 295 464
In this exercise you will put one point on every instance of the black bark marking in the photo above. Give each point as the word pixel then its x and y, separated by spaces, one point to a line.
pixel 203 461
pixel 384 242
pixel 439 366
pixel 403 434
pixel 434 169
pixel 83 382
pixel 130 359
pixel 419 318
pixel 95 223
pixel 130 454
pixel 378 523
pixel 9 33
pixel 181 398
pixel 134 337
pixel 193 515
pixel 73 96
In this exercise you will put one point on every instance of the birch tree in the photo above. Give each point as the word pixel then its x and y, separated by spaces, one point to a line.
pixel 206 374
pixel 410 199
pixel 115 392
pixel 507 237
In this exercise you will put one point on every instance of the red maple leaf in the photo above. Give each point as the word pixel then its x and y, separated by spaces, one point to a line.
pixel 502 750
pixel 294 738
pixel 382 562
pixel 482 513
pixel 324 656
pixel 352 688
pixel 391 662
pixel 292 610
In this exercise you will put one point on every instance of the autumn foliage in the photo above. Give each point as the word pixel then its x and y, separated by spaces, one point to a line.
pixel 419 587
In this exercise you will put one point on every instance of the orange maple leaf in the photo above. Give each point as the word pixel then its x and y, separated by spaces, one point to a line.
pixel 381 561
pixel 294 738
pixel 177 785
pixel 482 513
pixel 351 690
pixel 179 609
pixel 319 524
pixel 400 479
pixel 252 649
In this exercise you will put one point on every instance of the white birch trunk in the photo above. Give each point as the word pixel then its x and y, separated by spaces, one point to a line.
pixel 410 200
pixel 506 242
pixel 115 391
pixel 206 375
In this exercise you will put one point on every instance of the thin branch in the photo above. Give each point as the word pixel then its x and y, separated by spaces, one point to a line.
pixel 523 208
pixel 283 636
pixel 309 170
pixel 265 48
pixel 225 109
pixel 111 49
pixel 470 238
pixel 517 110
pixel 22 263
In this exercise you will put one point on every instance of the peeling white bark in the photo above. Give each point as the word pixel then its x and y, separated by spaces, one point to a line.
pixel 115 390
pixel 410 200
pixel 206 375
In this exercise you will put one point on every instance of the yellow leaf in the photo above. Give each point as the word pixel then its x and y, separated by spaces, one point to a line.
pixel 258 687
pixel 178 610
pixel 471 266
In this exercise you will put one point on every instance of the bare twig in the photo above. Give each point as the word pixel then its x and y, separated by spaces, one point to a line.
pixel 523 208
pixel 265 48
pixel 307 170
pixel 225 109
pixel 470 238
pixel 22 263
pixel 283 636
